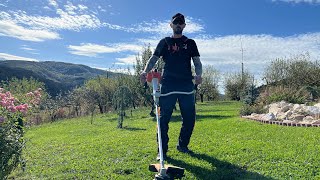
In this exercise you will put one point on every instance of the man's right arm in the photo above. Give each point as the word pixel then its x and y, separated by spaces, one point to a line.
pixel 150 64
pixel 152 61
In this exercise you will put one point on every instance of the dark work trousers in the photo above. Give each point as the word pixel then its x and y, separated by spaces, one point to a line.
pixel 187 108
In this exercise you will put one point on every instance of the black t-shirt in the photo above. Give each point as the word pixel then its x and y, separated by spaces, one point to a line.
pixel 177 54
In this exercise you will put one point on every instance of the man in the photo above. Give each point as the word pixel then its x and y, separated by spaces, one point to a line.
pixel 177 52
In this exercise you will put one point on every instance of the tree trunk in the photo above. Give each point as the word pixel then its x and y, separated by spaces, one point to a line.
pixel 120 121
pixel 100 108
pixel 201 97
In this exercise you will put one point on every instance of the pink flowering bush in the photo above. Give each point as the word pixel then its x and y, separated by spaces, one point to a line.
pixel 12 114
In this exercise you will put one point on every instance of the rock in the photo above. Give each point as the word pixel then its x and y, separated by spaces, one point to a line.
pixel 308 118
pixel 305 122
pixel 274 109
pixel 268 117
pixel 295 116
pixel 316 122
pixel 288 113
pixel 312 110
pixel 281 116
pixel 287 121
pixel 285 108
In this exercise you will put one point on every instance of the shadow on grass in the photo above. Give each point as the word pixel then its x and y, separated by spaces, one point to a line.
pixel 212 117
pixel 133 128
pixel 210 103
pixel 220 169
pixel 177 118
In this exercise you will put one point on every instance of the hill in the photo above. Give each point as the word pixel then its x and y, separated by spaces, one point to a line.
pixel 57 76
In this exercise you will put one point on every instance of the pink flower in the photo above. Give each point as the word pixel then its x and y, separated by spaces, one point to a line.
pixel 2 95
pixel 22 108
pixel 12 109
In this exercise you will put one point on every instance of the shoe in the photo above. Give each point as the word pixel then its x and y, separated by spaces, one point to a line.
pixel 185 150
pixel 164 156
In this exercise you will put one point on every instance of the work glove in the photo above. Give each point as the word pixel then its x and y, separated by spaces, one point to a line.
pixel 143 77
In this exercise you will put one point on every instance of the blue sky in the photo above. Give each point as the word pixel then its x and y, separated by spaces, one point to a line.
pixel 110 33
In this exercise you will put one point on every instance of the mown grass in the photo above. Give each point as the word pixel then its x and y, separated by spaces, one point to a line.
pixel 225 146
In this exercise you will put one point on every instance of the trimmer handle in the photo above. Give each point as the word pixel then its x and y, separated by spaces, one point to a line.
pixel 153 74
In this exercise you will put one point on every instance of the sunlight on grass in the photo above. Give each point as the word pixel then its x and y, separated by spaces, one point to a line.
pixel 225 146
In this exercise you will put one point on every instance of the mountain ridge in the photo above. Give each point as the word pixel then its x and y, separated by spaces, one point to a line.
pixel 57 76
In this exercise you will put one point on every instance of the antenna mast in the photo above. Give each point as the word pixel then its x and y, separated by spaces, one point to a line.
pixel 242 72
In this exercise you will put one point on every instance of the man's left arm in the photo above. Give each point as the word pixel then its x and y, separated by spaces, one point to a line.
pixel 198 68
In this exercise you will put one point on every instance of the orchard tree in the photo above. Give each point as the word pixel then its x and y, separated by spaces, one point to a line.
pixel 122 99
pixel 105 88
pixel 209 85
pixel 236 85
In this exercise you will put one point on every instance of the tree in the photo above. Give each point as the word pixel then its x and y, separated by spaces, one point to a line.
pixel 90 96
pixel 143 93
pixel 121 101
pixel 295 72
pixel 236 85
pixel 209 86
pixel 104 87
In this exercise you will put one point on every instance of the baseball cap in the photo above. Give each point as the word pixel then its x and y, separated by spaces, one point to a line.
pixel 178 19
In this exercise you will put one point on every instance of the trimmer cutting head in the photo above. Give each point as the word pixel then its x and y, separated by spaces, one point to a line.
pixel 172 172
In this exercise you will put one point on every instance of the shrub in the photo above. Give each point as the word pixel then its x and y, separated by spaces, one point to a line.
pixel 247 109
pixel 251 94
pixel 296 71
pixel 12 114
pixel 283 93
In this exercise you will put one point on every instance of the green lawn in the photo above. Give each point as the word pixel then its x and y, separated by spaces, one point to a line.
pixel 225 146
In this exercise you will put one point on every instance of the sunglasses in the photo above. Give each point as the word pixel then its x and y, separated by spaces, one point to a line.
pixel 178 21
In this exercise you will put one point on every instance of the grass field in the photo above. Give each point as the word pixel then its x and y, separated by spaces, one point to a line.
pixel 225 146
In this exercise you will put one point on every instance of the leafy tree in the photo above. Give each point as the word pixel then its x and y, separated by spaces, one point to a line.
pixel 143 93
pixel 90 96
pixel 236 85
pixel 104 87
pixel 295 72
pixel 121 101
pixel 209 86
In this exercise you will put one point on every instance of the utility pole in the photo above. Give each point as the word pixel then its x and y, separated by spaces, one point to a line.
pixel 241 57
pixel 242 71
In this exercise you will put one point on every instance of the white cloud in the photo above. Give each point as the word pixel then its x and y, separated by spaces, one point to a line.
pixel 300 1
pixel 224 53
pixel 19 24
pixel 160 27
pixel 27 49
pixel 68 20
pixel 11 29
pixel 92 50
pixel 5 56
pixel 130 59
pixel 53 3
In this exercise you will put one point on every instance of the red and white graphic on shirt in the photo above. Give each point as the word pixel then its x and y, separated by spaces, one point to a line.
pixel 174 48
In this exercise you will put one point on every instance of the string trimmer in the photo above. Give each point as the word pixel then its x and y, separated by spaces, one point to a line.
pixel 164 171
